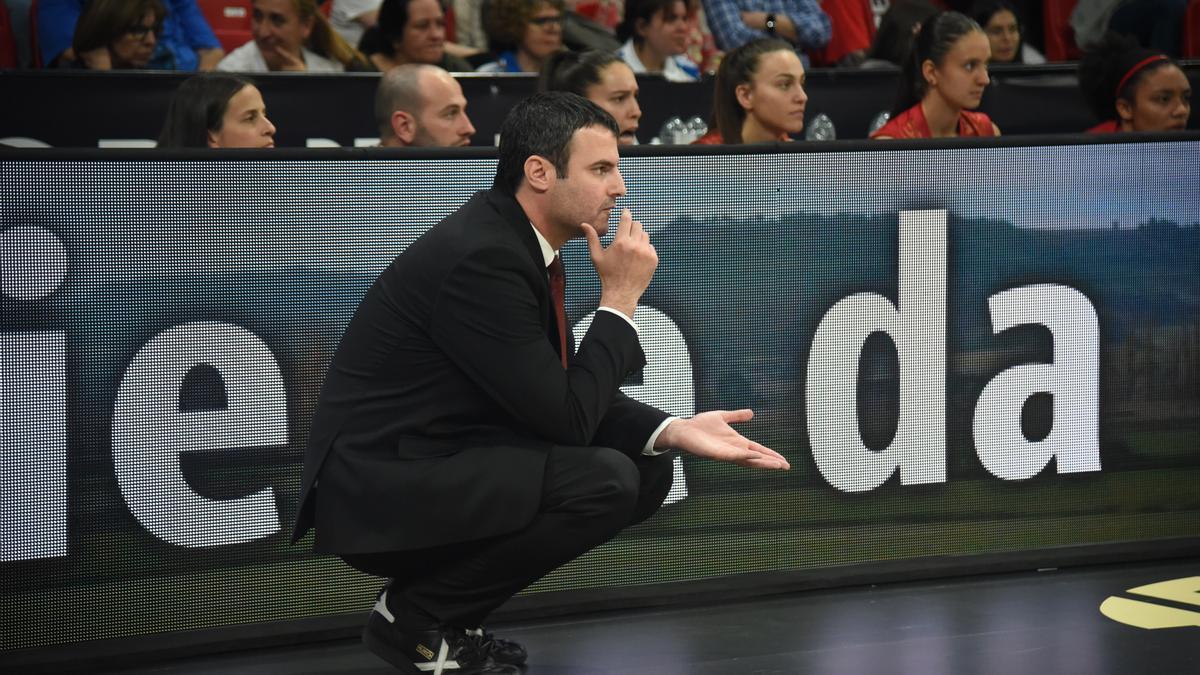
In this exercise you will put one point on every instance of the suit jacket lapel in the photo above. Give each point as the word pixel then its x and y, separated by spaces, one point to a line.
pixel 514 217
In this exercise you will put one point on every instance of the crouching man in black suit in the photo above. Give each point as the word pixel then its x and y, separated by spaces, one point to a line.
pixel 459 448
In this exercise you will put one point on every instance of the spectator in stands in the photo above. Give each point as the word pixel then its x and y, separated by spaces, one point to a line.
pixel 421 105
pixel 292 35
pixel 411 31
pixel 468 24
pixel 799 22
pixel 529 30
pixel 759 95
pixel 181 39
pixel 1004 31
pixel 1154 23
pixel 894 39
pixel 352 18
pixel 116 35
pixel 1133 88
pixel 217 110
pixel 942 81
pixel 605 13
pixel 602 78
pixel 852 25
pixel 702 46
pixel 656 36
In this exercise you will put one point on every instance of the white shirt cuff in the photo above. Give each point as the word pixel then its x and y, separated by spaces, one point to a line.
pixel 622 315
pixel 649 450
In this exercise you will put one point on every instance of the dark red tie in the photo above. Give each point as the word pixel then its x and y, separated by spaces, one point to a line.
pixel 558 295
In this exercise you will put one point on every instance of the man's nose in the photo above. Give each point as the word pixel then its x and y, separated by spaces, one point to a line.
pixel 620 184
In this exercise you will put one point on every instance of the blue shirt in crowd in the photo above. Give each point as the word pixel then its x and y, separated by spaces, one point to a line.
pixel 184 33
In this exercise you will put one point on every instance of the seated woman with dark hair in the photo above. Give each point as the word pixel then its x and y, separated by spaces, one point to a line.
pixel 601 78
pixel 759 95
pixel 893 41
pixel 1003 27
pixel 942 81
pixel 529 32
pixel 293 36
pixel 217 110
pixel 656 34
pixel 1133 88
pixel 116 34
pixel 411 31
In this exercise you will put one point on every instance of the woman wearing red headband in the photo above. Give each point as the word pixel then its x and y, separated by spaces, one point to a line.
pixel 1134 89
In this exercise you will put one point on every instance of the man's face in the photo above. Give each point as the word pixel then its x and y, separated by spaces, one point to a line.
pixel 592 185
pixel 442 120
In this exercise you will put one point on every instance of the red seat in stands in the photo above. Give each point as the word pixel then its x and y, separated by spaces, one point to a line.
pixel 1191 31
pixel 230 20
pixel 8 43
pixel 1060 37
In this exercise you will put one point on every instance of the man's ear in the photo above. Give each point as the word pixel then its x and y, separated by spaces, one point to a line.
pixel 540 173
pixel 212 140
pixel 404 125
pixel 745 97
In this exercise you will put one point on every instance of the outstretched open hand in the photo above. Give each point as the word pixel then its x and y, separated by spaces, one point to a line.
pixel 709 435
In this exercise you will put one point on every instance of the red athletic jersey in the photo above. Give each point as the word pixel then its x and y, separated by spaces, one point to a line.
pixel 911 124
pixel 1109 127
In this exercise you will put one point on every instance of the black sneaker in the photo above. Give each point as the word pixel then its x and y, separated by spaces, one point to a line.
pixel 433 650
pixel 501 651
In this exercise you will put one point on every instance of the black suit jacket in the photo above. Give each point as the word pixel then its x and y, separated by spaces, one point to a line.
pixel 447 391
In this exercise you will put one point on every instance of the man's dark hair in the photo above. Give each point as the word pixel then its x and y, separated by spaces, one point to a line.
pixel 543 125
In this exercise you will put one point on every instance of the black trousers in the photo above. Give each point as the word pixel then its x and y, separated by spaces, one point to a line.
pixel 589 494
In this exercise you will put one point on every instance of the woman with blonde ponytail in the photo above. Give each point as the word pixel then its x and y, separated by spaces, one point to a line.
pixel 293 35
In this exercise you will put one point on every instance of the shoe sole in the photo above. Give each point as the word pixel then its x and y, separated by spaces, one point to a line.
pixel 387 651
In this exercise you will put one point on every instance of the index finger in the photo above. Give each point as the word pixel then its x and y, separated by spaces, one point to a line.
pixel 625 226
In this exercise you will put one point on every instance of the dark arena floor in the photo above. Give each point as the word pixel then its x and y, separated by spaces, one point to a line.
pixel 1043 622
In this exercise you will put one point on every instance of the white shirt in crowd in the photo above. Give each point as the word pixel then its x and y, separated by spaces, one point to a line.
pixel 678 68
pixel 343 14
pixel 249 59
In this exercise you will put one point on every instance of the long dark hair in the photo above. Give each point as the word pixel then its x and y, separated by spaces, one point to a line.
pixel 104 21
pixel 738 68
pixel 894 39
pixel 982 12
pixel 197 108
pixel 935 39
pixel 575 71
pixel 1108 71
